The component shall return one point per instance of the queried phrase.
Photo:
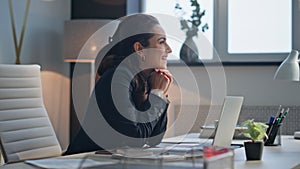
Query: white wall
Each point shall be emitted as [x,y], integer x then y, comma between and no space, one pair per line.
[42,45]
[254,82]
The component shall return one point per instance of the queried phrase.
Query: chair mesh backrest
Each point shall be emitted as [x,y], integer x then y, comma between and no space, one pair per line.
[26,131]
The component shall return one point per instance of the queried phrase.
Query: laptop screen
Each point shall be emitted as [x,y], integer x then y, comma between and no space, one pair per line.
[228,120]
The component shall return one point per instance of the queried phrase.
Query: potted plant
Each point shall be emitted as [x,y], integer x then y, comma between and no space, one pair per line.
[256,131]
[189,51]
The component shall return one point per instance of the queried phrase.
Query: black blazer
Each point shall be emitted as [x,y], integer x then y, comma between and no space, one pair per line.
[113,120]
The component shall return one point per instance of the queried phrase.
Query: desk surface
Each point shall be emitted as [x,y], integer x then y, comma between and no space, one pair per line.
[274,157]
[285,156]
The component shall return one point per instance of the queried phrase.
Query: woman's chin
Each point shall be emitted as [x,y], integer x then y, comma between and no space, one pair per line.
[164,66]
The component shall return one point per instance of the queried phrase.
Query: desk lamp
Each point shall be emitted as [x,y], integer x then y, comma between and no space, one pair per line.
[289,70]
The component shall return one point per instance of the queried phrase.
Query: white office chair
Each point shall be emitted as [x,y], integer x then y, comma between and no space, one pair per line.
[26,131]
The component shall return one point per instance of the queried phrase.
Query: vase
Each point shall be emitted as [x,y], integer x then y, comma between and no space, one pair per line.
[189,51]
[254,150]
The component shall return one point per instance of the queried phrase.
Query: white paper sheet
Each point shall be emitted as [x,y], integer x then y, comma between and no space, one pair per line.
[66,163]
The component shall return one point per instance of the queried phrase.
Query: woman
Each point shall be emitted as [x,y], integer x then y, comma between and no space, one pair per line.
[131,89]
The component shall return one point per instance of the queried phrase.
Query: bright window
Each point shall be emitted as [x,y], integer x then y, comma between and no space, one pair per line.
[259,26]
[168,7]
[240,30]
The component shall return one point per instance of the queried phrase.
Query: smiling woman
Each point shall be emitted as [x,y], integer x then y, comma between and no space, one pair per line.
[129,104]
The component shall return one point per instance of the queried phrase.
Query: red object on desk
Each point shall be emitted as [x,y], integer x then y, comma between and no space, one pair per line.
[210,151]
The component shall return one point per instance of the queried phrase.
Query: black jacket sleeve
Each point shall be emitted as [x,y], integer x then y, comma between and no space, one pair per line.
[112,120]
[147,126]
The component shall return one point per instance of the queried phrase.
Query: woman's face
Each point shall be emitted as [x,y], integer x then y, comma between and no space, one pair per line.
[156,54]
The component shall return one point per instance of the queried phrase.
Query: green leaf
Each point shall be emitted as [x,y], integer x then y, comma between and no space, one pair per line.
[255,130]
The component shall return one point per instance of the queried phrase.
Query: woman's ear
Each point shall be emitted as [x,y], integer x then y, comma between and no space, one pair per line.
[138,47]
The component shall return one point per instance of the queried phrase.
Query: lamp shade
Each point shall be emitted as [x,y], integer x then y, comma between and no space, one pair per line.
[289,68]
[84,38]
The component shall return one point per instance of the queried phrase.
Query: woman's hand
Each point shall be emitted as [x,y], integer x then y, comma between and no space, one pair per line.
[161,79]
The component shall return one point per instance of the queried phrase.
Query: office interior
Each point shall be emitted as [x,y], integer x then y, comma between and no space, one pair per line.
[43,45]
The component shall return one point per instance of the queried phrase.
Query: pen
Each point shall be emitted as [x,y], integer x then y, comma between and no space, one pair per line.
[281,113]
[278,111]
[284,115]
[278,118]
[276,115]
[286,112]
[271,120]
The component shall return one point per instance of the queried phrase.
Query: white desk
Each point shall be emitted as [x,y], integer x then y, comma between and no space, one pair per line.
[278,157]
[274,157]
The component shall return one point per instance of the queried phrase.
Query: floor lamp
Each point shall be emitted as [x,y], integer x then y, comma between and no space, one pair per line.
[289,70]
[18,44]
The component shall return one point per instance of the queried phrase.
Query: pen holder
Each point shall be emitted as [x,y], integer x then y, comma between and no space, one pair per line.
[274,135]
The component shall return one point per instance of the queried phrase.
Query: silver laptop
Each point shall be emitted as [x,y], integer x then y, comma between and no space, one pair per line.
[224,132]
[228,120]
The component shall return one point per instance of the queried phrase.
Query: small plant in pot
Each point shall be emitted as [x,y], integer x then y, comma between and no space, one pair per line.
[256,131]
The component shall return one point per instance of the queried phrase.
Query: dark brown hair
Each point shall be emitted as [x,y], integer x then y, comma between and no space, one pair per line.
[132,28]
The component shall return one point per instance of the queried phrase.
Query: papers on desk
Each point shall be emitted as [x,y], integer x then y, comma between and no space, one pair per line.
[165,152]
[181,148]
[66,163]
[188,138]
[163,157]
[146,154]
